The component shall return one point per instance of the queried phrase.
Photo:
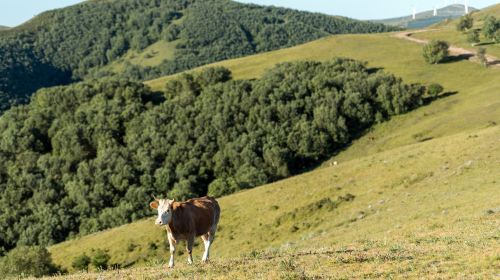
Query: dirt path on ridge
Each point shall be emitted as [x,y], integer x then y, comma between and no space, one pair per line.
[454,50]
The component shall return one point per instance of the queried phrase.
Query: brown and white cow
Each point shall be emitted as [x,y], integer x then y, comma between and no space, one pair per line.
[186,220]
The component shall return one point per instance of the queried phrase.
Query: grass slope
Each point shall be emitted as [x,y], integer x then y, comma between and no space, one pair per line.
[475,106]
[150,56]
[447,31]
[425,187]
[423,210]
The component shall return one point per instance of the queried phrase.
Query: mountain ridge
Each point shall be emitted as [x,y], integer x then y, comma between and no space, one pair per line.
[77,42]
[427,18]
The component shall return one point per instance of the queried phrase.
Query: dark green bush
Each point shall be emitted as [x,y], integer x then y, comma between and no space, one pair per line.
[465,23]
[152,246]
[81,262]
[473,36]
[490,27]
[100,259]
[434,90]
[131,246]
[435,51]
[496,36]
[481,56]
[26,261]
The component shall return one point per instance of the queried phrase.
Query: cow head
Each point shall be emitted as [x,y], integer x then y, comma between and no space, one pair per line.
[164,207]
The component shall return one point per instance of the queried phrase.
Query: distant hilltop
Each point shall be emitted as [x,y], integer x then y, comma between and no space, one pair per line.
[3,27]
[424,19]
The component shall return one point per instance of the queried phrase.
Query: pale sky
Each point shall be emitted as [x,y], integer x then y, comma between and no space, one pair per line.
[369,9]
[15,12]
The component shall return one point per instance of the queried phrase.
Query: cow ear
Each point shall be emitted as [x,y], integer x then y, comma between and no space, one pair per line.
[154,204]
[172,201]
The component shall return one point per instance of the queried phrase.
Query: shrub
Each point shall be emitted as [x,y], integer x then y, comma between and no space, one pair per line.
[434,90]
[481,56]
[496,36]
[81,262]
[27,261]
[152,246]
[466,22]
[131,246]
[473,37]
[435,51]
[490,27]
[100,259]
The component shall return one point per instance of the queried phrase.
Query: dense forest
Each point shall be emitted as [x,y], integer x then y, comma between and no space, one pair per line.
[87,156]
[71,44]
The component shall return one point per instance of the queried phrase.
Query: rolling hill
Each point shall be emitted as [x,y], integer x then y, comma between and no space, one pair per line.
[3,27]
[143,39]
[414,197]
[427,18]
[425,196]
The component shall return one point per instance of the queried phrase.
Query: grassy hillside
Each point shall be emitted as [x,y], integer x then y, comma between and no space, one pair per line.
[427,18]
[475,105]
[424,210]
[447,31]
[3,27]
[425,193]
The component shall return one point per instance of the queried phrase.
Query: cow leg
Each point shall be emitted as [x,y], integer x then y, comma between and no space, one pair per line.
[207,240]
[189,248]
[171,242]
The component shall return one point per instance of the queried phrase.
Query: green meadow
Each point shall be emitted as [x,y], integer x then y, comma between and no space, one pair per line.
[415,197]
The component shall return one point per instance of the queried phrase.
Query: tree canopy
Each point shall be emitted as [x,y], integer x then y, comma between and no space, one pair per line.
[86,157]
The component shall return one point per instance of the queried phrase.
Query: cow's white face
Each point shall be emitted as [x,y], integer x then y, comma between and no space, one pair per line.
[164,207]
